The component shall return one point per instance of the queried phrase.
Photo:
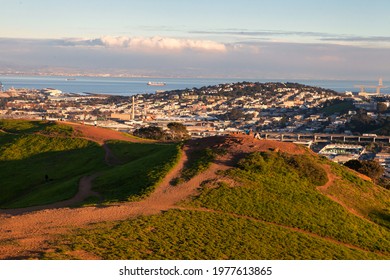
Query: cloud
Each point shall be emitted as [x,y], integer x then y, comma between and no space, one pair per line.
[290,36]
[369,39]
[261,33]
[165,56]
[161,43]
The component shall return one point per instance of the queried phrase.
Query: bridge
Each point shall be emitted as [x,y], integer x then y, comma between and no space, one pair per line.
[322,137]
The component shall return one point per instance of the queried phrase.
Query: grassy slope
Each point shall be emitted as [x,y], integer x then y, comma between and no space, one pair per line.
[30,150]
[275,212]
[200,235]
[277,193]
[142,167]
[26,158]
[364,197]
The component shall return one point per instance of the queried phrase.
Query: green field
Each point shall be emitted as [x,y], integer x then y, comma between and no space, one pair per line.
[141,168]
[273,211]
[276,191]
[40,168]
[43,162]
[194,235]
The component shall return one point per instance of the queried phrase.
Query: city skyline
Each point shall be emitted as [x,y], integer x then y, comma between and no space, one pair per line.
[254,39]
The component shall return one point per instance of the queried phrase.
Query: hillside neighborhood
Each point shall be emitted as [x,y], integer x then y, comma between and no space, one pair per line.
[210,110]
[216,110]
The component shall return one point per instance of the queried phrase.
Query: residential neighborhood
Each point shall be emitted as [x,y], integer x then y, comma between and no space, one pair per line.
[284,107]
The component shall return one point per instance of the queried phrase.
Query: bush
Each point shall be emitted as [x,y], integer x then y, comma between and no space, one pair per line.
[151,132]
[370,168]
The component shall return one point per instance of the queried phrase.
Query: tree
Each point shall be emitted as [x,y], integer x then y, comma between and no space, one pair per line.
[381,107]
[178,131]
[151,132]
[370,168]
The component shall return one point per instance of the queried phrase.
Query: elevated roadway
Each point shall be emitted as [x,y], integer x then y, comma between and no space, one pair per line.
[323,137]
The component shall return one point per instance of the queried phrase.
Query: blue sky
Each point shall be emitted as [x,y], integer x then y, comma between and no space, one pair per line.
[244,38]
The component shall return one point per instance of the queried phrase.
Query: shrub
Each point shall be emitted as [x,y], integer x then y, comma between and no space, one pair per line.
[370,168]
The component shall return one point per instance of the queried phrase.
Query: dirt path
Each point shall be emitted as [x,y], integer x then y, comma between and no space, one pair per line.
[324,190]
[25,232]
[26,235]
[84,191]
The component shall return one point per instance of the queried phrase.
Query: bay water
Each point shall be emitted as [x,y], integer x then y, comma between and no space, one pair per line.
[131,86]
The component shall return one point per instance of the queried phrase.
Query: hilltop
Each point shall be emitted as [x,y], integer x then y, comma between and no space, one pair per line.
[223,197]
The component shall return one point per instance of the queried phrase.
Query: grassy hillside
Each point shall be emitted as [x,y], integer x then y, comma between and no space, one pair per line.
[363,197]
[268,206]
[43,162]
[141,168]
[40,164]
[274,190]
[200,235]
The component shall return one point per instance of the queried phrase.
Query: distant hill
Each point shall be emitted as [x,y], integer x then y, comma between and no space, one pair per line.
[227,197]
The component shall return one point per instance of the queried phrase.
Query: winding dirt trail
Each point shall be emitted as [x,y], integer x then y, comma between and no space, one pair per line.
[25,232]
[84,191]
[26,235]
[324,190]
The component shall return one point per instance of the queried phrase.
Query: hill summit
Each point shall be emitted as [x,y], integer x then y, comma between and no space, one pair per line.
[225,197]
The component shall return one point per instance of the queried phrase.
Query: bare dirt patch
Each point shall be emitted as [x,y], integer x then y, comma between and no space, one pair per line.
[100,134]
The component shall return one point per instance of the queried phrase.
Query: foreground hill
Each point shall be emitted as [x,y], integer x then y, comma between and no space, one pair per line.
[50,165]
[230,197]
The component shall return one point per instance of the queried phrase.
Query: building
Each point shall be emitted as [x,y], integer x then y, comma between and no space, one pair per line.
[342,153]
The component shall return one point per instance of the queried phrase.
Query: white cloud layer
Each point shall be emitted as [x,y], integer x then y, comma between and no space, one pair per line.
[161,43]
[165,56]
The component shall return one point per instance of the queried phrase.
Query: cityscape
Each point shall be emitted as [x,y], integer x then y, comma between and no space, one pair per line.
[195,139]
[271,110]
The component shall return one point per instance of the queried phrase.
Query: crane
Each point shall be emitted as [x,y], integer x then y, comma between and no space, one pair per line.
[378,87]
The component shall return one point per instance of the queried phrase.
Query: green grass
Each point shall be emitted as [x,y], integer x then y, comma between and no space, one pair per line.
[143,167]
[368,199]
[23,126]
[275,194]
[25,162]
[126,151]
[196,235]
[26,146]
[198,162]
[341,107]
[275,191]
[30,150]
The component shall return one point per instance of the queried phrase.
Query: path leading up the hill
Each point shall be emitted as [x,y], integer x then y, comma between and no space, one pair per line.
[324,190]
[28,235]
[22,236]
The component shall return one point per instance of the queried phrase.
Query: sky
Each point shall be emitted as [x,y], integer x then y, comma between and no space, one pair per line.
[297,39]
